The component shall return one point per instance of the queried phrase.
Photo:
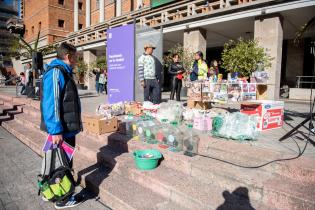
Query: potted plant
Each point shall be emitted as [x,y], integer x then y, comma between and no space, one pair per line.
[244,57]
[81,70]
[100,62]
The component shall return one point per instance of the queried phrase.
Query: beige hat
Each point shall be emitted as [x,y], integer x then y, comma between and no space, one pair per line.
[147,45]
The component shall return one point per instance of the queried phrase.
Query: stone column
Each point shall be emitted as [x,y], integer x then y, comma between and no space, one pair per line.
[88,13]
[76,16]
[102,11]
[196,40]
[269,33]
[89,57]
[118,8]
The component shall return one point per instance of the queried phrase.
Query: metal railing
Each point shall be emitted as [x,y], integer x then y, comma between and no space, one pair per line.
[299,80]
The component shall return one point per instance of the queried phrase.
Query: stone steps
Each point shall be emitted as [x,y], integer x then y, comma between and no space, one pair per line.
[211,173]
[33,139]
[112,189]
[205,170]
[119,192]
[267,189]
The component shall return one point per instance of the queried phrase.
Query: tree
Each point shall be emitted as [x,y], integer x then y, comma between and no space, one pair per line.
[81,70]
[20,48]
[186,56]
[101,62]
[244,56]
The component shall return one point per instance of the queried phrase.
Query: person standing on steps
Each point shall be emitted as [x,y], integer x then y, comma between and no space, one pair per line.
[97,73]
[29,74]
[176,70]
[60,105]
[149,75]
[102,81]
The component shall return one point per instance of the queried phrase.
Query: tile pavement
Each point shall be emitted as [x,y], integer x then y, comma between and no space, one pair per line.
[19,168]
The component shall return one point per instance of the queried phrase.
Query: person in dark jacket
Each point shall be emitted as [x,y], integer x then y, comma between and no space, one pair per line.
[97,74]
[60,105]
[176,70]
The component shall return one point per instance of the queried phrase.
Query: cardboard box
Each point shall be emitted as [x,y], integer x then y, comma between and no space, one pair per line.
[262,92]
[96,124]
[198,105]
[270,113]
[194,91]
[133,108]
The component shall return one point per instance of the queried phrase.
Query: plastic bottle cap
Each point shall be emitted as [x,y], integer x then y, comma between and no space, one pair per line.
[174,123]
[190,126]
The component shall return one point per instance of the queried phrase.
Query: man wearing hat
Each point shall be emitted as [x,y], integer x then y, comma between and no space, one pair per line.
[149,75]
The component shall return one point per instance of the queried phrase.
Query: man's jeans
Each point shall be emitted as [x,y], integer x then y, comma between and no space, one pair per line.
[152,91]
[97,87]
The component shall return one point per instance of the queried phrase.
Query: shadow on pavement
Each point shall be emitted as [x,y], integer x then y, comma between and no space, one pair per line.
[97,173]
[237,200]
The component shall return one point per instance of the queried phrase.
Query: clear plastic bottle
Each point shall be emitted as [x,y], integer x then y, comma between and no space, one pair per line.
[128,121]
[150,131]
[162,132]
[174,139]
[191,142]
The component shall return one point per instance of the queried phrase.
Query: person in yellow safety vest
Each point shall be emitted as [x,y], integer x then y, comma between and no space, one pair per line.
[200,67]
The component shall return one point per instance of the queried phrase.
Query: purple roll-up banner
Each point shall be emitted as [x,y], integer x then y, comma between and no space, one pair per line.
[120,62]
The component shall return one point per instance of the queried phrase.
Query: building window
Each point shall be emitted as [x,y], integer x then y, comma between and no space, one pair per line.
[61,2]
[80,26]
[61,23]
[80,5]
[32,29]
[97,4]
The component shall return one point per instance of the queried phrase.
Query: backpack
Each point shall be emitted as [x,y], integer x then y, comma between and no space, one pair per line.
[55,184]
[193,75]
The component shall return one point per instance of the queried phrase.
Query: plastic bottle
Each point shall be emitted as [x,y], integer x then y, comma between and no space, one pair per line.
[128,121]
[162,133]
[174,139]
[190,143]
[150,132]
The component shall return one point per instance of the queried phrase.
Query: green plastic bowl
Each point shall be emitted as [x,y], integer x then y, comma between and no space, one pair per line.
[147,163]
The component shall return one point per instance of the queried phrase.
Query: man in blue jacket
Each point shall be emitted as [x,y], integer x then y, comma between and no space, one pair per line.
[60,104]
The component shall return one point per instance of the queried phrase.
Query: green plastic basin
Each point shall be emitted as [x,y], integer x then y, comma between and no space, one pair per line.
[147,159]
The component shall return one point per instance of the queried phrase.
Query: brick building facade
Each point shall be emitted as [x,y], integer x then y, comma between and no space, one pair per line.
[55,18]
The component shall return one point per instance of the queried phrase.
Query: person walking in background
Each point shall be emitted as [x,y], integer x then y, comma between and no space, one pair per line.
[176,71]
[97,73]
[149,75]
[199,68]
[61,107]
[29,74]
[23,83]
[102,81]
[106,78]
[214,68]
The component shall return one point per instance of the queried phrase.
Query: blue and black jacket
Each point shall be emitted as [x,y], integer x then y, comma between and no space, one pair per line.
[52,102]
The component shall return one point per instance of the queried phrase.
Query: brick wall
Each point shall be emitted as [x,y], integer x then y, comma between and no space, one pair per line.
[126,6]
[48,12]
[110,9]
[34,15]
[95,18]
